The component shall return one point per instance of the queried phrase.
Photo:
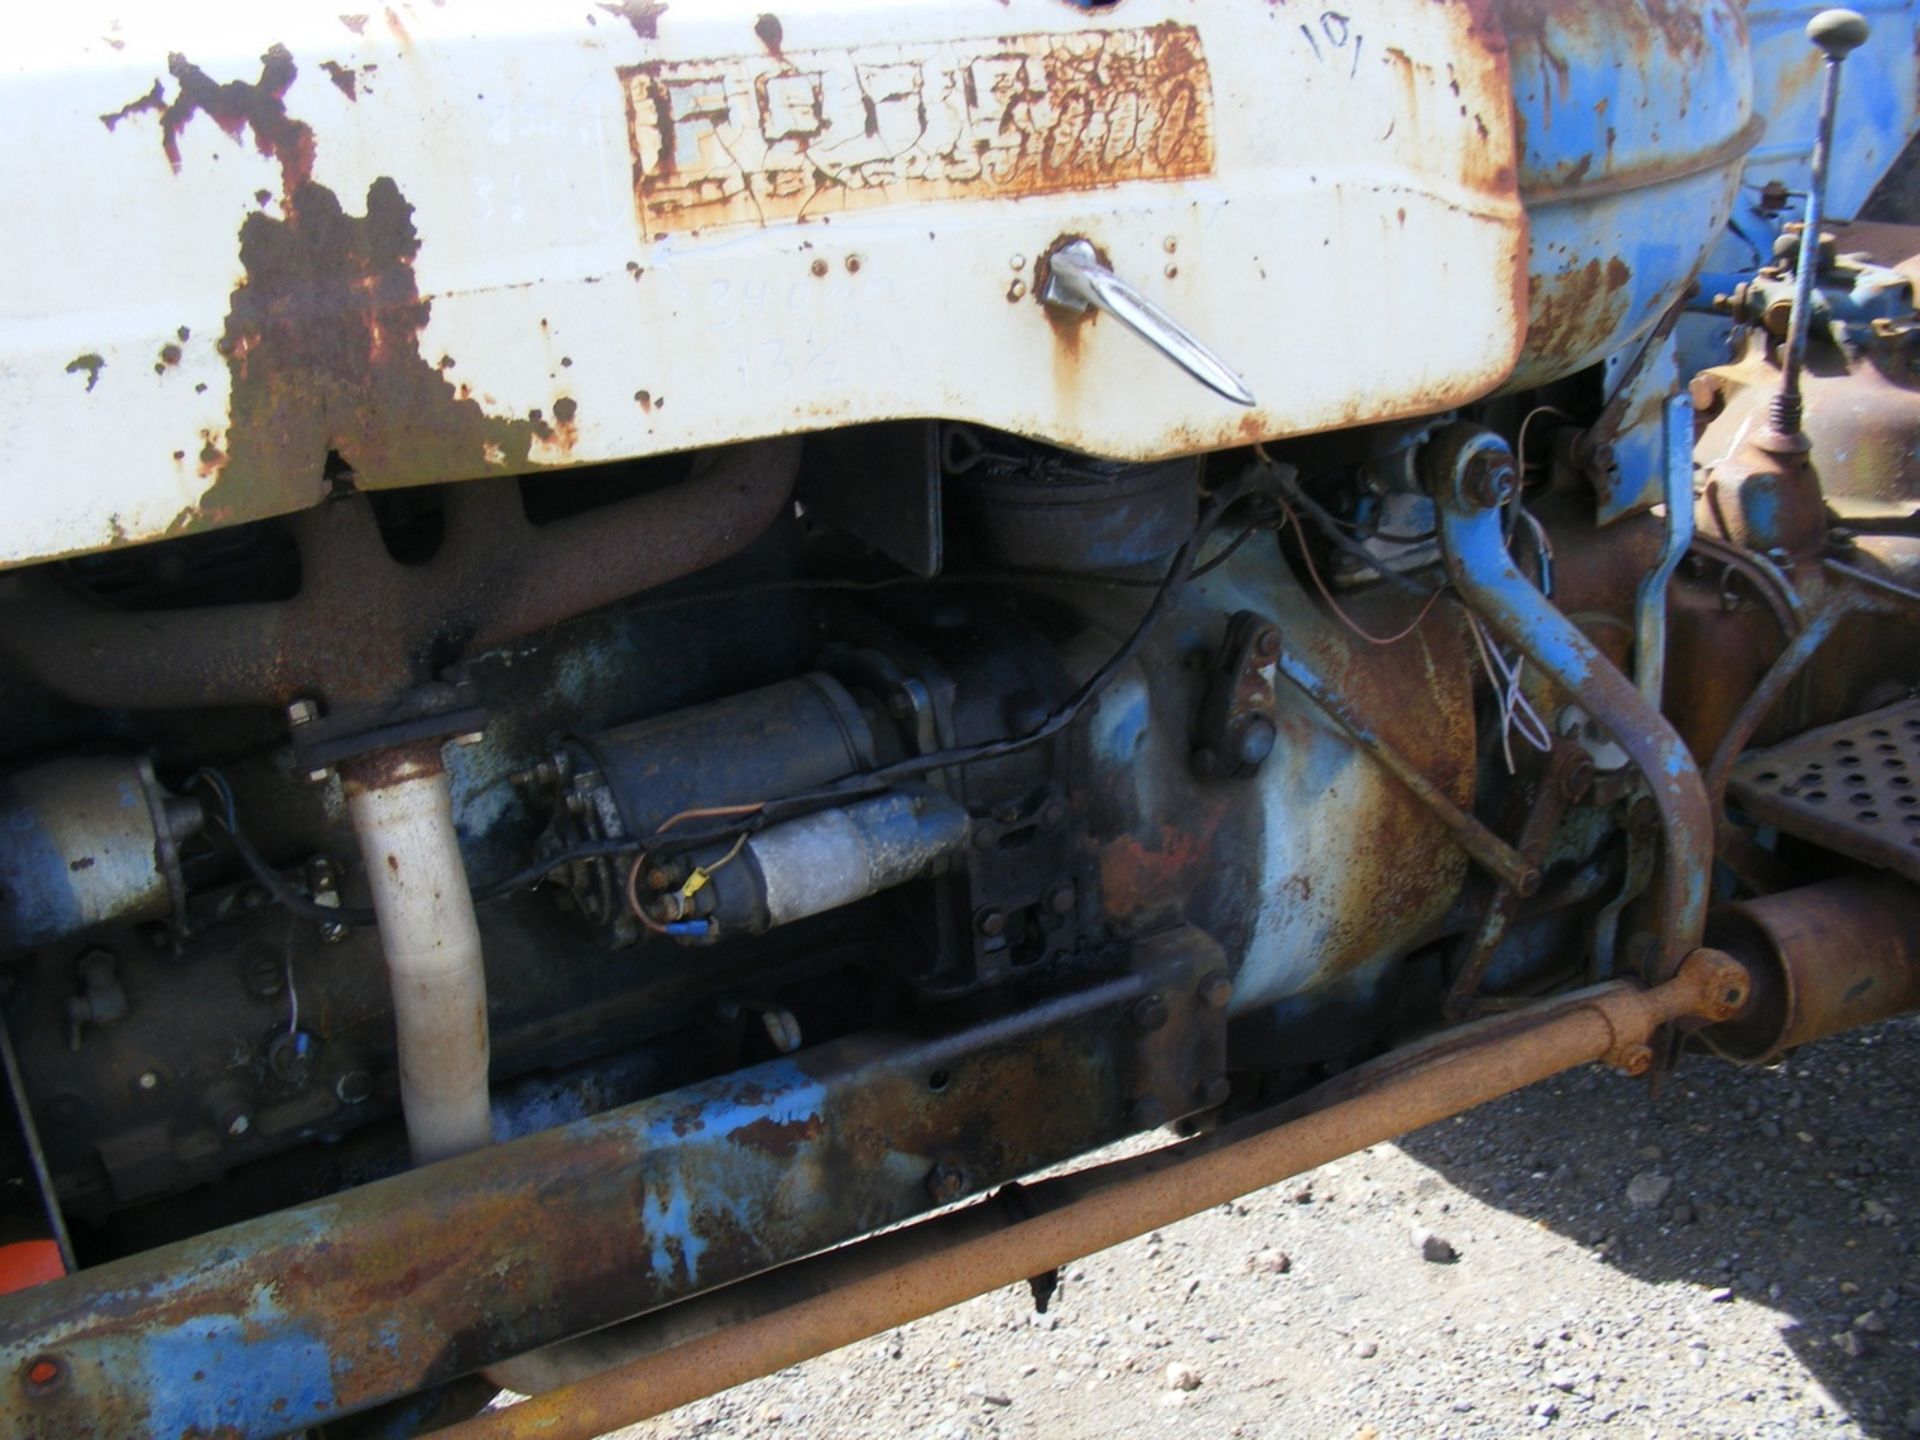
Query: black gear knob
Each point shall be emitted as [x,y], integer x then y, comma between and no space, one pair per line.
[1838,32]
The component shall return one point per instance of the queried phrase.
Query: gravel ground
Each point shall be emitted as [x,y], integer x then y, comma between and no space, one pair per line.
[1730,1260]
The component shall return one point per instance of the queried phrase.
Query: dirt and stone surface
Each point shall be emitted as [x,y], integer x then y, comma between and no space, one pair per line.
[1735,1258]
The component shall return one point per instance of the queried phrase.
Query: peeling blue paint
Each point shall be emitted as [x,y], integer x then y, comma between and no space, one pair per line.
[219,1372]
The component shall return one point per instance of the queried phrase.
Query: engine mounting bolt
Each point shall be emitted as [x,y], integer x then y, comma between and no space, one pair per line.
[1254,740]
[946,1182]
[44,1374]
[1215,991]
[1213,1091]
[1147,1113]
[1149,1014]
[990,923]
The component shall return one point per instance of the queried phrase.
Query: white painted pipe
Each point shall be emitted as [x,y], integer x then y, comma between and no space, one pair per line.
[402,812]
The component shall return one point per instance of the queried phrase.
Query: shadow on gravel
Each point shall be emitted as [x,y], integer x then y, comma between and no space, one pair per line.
[1795,1187]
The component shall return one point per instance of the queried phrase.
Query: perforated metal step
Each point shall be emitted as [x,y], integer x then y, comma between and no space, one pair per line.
[1853,787]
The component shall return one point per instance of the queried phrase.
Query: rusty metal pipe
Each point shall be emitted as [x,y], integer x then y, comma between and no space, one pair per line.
[1467,468]
[406,1283]
[1097,1209]
[362,624]
[1824,958]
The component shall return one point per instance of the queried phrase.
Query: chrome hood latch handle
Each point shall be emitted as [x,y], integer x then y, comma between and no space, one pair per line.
[1077,281]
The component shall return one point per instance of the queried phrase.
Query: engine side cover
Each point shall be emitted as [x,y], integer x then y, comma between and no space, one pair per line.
[480,237]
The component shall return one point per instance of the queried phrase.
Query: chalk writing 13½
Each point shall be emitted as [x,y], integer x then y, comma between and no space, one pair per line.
[1333,34]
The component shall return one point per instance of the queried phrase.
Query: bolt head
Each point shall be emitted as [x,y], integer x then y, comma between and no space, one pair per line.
[44,1374]
[946,1182]
[1254,741]
[991,923]
[1060,900]
[1149,1013]
[471,737]
[149,1080]
[1488,478]
[303,712]
[1215,991]
[237,1124]
[320,776]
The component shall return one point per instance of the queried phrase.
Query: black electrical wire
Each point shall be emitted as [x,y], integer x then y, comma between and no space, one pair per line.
[307,908]
[1178,574]
[1330,527]
[1062,715]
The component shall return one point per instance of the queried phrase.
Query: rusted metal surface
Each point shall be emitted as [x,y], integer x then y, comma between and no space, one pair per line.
[1322,862]
[1855,407]
[415,245]
[370,1294]
[1078,1214]
[1513,869]
[1634,118]
[1564,776]
[364,625]
[883,125]
[1476,557]
[1852,786]
[1824,958]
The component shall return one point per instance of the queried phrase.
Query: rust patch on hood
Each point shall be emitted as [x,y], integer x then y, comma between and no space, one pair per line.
[237,107]
[322,337]
[1577,312]
[154,100]
[345,79]
[642,15]
[90,365]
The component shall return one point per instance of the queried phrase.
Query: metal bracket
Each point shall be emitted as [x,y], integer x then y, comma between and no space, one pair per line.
[1235,731]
